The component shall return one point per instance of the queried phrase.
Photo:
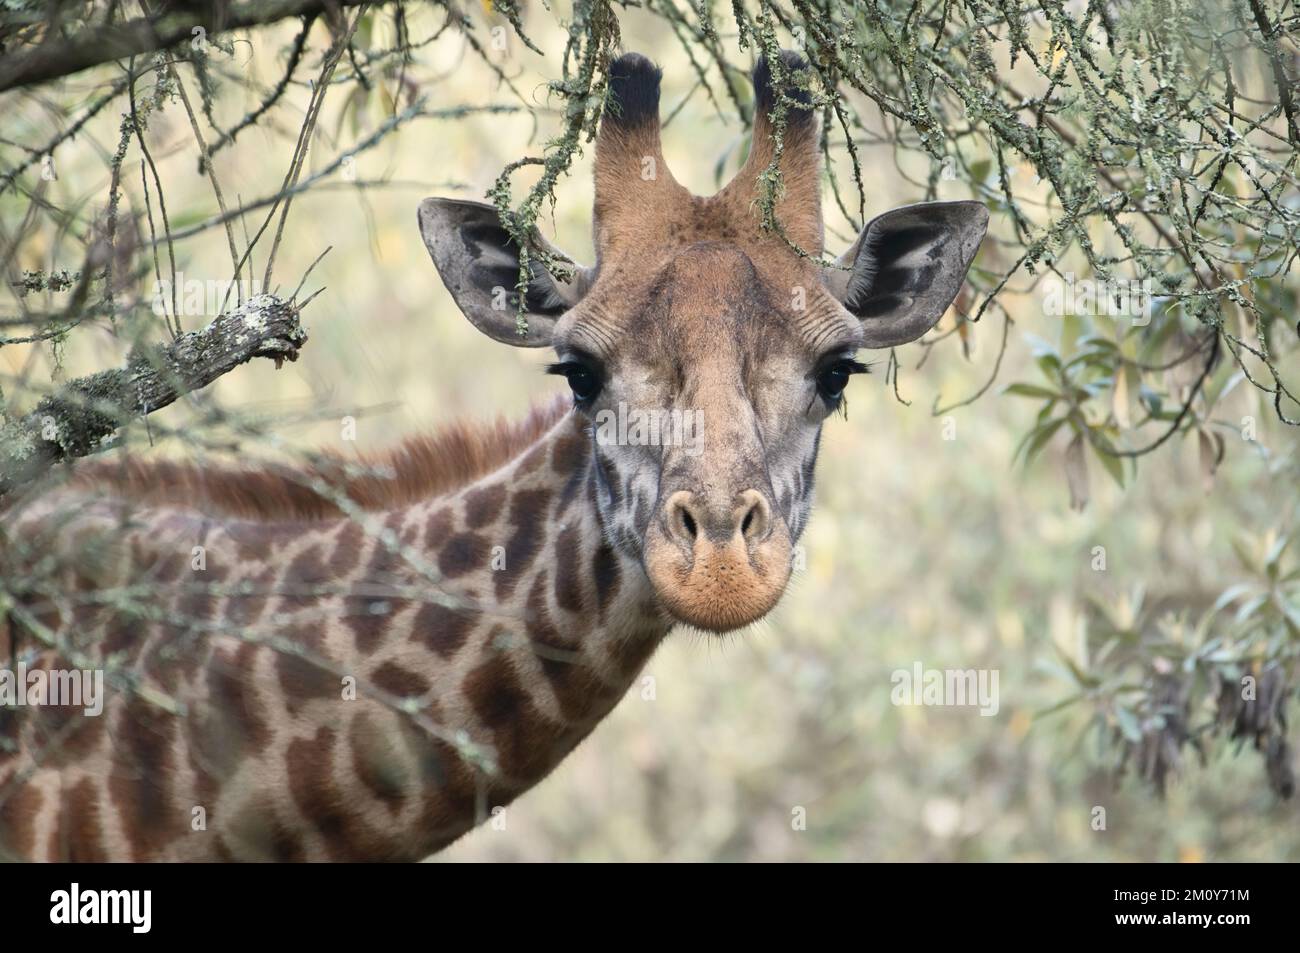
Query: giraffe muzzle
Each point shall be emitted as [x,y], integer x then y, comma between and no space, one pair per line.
[718,565]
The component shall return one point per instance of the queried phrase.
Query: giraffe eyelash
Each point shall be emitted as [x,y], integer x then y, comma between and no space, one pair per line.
[831,377]
[585,381]
[856,367]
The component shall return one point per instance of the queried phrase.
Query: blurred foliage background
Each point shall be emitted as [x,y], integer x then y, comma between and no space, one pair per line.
[935,540]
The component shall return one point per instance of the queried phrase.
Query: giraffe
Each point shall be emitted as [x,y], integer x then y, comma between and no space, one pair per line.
[346,662]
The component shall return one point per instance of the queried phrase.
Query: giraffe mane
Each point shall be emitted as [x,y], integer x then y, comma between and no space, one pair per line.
[420,467]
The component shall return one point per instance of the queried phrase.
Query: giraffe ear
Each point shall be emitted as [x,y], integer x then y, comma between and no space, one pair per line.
[907,267]
[479,264]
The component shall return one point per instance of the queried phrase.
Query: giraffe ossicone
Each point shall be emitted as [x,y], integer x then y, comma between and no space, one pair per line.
[372,659]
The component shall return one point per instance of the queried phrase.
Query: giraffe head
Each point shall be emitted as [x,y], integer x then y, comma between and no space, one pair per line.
[707,352]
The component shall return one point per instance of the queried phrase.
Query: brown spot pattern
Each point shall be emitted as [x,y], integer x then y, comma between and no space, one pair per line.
[442,628]
[80,830]
[140,785]
[483,506]
[346,835]
[462,554]
[402,682]
[568,571]
[577,690]
[527,512]
[519,731]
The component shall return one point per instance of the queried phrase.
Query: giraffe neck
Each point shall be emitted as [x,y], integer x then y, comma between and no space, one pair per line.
[547,625]
[363,689]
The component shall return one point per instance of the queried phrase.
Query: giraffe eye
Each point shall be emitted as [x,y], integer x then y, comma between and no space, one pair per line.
[833,378]
[583,381]
[833,381]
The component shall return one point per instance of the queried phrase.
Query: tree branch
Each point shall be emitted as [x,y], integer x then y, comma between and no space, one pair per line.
[103,43]
[75,421]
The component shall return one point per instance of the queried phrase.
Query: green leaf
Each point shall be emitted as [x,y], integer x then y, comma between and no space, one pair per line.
[1251,606]
[1245,556]
[1062,704]
[1083,678]
[1114,465]
[1036,439]
[1229,596]
[1031,390]
[1274,555]
[1128,724]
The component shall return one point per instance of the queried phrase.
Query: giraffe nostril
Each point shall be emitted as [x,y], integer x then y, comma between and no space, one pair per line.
[682,523]
[754,524]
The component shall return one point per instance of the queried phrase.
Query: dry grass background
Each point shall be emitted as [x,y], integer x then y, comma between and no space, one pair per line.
[922,549]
